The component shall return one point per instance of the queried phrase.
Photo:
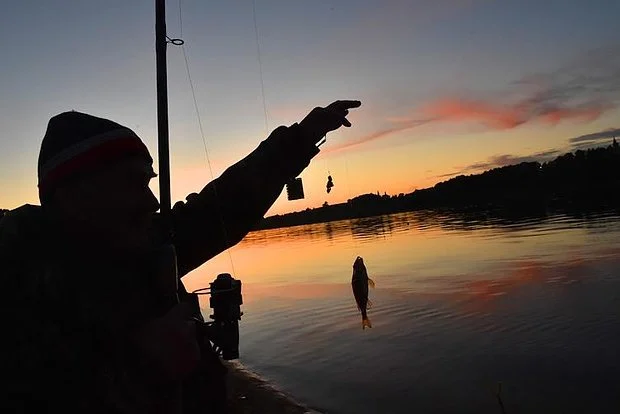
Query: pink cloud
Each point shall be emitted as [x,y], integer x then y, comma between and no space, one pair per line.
[584,114]
[507,116]
[493,115]
[581,91]
[467,110]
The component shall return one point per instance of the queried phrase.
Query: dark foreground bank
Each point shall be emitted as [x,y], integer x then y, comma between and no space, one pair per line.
[250,394]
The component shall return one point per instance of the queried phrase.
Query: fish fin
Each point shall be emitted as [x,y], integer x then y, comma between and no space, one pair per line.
[366,323]
[371,283]
[368,304]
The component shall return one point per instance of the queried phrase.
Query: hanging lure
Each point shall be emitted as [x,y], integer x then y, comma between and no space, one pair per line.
[330,184]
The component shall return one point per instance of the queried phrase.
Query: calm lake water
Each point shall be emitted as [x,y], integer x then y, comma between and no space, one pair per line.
[460,304]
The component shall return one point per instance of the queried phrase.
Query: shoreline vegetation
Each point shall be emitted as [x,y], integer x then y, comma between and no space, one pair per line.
[581,181]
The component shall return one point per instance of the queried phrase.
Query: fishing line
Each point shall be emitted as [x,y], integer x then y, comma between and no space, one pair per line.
[263,98]
[202,134]
[262,84]
[260,66]
[351,203]
[346,169]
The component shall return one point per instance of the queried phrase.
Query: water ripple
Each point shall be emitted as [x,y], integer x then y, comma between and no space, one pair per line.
[461,303]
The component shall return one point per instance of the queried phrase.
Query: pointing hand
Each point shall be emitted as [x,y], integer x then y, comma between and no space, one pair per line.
[320,120]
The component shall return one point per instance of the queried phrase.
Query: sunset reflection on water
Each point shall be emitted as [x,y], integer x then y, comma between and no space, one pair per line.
[460,304]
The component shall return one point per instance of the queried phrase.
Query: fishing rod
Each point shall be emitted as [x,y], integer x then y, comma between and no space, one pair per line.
[168,268]
[168,257]
[163,138]
[225,291]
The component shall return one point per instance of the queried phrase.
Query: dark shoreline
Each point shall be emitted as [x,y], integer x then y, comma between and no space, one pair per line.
[478,213]
[248,393]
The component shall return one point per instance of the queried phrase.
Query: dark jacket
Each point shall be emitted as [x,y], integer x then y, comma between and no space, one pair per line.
[69,312]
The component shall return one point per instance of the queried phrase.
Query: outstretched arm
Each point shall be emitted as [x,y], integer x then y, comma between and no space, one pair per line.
[230,206]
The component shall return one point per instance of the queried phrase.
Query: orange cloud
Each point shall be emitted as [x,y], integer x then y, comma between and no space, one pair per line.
[463,110]
[586,114]
[494,115]
[581,91]
[506,116]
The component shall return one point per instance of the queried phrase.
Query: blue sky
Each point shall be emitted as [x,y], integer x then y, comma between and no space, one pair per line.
[442,83]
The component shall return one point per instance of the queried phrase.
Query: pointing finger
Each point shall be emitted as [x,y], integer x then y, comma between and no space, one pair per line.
[350,104]
[346,104]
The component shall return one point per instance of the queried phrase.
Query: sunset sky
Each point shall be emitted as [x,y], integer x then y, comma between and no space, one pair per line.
[447,86]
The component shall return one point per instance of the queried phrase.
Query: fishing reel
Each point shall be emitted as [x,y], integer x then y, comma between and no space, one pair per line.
[223,330]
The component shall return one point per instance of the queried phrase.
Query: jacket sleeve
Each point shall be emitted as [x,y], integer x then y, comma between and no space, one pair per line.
[230,206]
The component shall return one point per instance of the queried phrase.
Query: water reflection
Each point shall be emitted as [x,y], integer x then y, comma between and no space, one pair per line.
[461,302]
[380,227]
[369,228]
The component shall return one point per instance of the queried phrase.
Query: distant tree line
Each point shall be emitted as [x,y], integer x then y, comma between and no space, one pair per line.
[580,180]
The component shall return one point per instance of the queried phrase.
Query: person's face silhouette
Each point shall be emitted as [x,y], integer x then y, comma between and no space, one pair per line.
[113,206]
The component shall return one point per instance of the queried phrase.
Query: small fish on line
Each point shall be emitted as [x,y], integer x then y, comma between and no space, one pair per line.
[330,184]
[360,282]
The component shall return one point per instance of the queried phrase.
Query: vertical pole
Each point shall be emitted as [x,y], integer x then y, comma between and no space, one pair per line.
[169,266]
[162,117]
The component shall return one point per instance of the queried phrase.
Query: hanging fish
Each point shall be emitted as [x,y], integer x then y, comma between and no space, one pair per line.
[330,183]
[360,282]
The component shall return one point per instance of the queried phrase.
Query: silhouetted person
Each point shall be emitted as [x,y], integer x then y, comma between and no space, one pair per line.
[330,183]
[87,325]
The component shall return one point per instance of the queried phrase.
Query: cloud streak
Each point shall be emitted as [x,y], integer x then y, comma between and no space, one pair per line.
[382,133]
[596,139]
[580,91]
[496,161]
[503,160]
[596,136]
[507,116]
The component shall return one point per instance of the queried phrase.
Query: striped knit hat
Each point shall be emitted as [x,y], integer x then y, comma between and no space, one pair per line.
[77,143]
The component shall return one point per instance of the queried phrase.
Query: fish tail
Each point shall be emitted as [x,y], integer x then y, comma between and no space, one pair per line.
[366,323]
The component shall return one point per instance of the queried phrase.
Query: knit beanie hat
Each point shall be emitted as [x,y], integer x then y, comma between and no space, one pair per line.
[77,143]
